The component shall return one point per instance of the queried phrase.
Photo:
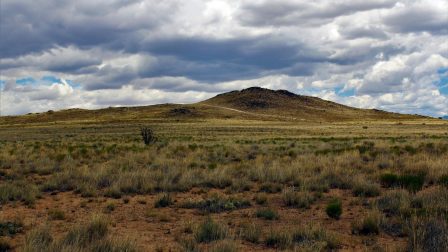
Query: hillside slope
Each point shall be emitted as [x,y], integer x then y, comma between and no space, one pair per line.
[282,103]
[248,104]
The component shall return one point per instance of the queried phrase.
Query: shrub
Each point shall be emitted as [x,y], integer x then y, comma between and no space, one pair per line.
[147,135]
[389,180]
[163,201]
[428,234]
[250,233]
[278,239]
[412,183]
[261,199]
[394,202]
[217,204]
[38,240]
[443,180]
[292,198]
[224,246]
[113,192]
[10,228]
[334,209]
[315,234]
[56,214]
[18,191]
[270,188]
[209,231]
[366,189]
[90,237]
[267,214]
[110,207]
[81,236]
[370,224]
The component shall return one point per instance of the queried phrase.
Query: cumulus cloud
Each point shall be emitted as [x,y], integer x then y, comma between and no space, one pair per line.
[378,53]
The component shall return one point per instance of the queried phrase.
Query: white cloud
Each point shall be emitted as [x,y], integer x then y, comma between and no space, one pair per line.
[145,52]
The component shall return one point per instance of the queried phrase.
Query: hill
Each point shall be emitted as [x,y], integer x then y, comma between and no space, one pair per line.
[248,104]
[287,105]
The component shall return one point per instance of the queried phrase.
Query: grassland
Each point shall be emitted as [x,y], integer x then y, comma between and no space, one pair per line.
[224,185]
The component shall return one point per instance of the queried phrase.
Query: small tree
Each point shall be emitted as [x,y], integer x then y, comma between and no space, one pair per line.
[148,135]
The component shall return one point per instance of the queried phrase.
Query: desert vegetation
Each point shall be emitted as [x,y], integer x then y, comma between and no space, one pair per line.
[224,186]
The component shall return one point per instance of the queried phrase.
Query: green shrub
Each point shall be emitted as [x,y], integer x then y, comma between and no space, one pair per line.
[443,180]
[389,180]
[334,209]
[163,201]
[209,231]
[412,183]
[267,214]
[10,228]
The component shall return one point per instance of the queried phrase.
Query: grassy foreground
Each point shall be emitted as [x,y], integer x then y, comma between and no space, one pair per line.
[225,185]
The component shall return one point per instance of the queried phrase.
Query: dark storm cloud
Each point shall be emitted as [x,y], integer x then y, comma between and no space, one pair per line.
[33,26]
[418,18]
[228,59]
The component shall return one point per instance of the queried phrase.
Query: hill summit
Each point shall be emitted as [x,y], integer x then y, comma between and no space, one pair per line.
[283,103]
[256,98]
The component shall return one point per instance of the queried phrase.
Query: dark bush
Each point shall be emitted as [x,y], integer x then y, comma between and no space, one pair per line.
[270,188]
[334,209]
[10,228]
[412,183]
[163,201]
[443,180]
[148,135]
[389,180]
[428,235]
[278,239]
[267,214]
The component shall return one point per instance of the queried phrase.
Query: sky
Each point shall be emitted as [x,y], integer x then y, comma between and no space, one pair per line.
[59,54]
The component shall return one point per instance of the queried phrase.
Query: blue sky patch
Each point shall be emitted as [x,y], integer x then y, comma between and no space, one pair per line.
[442,70]
[51,79]
[344,93]
[26,81]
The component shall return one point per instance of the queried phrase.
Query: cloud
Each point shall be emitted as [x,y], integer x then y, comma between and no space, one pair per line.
[292,13]
[376,53]
[419,16]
